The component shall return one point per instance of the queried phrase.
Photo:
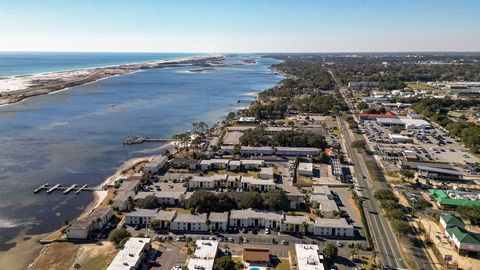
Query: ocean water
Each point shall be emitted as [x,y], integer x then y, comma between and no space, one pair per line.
[74,136]
[21,63]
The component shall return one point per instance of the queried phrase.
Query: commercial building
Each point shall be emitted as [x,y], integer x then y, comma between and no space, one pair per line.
[309,257]
[255,218]
[145,216]
[464,241]
[450,199]
[305,168]
[129,257]
[155,164]
[363,85]
[397,138]
[204,256]
[333,227]
[262,185]
[190,222]
[81,228]
[439,173]
[449,221]
[375,116]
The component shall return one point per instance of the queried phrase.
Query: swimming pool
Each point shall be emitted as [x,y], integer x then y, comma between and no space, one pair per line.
[254,268]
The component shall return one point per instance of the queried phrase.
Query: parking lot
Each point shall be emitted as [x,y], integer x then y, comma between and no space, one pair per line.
[431,145]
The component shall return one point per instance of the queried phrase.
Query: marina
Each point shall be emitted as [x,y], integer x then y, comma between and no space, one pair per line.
[49,189]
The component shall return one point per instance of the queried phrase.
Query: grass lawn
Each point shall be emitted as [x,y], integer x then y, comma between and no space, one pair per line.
[283,264]
[304,181]
[419,86]
[55,235]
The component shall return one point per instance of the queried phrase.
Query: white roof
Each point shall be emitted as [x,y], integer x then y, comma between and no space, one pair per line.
[160,194]
[332,223]
[211,178]
[253,161]
[296,219]
[128,257]
[251,213]
[305,166]
[398,136]
[415,122]
[308,257]
[159,215]
[214,161]
[199,218]
[321,190]
[327,205]
[267,170]
[255,181]
[234,163]
[204,255]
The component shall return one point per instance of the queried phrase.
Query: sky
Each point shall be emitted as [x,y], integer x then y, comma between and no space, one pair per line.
[240,25]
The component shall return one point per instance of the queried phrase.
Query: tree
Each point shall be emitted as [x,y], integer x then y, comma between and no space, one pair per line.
[471,213]
[397,129]
[362,106]
[359,144]
[401,227]
[421,204]
[118,235]
[77,266]
[250,199]
[276,200]
[149,202]
[385,194]
[407,173]
[225,263]
[330,252]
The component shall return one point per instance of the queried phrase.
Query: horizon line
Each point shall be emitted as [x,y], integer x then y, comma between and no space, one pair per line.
[250,52]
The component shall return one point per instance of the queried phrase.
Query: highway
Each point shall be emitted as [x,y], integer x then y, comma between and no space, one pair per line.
[385,242]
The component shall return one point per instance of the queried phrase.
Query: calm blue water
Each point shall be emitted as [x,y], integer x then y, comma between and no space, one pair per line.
[73,136]
[21,63]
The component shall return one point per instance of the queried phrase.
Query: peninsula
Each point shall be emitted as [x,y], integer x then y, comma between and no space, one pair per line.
[16,88]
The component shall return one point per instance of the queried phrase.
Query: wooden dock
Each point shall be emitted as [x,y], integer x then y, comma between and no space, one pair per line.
[66,189]
[136,139]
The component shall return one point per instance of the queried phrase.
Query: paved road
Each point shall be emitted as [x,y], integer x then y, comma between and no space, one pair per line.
[381,232]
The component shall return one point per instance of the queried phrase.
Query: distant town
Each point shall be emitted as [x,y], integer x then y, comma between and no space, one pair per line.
[353,161]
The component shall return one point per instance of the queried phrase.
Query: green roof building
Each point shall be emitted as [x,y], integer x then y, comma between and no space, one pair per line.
[449,221]
[464,241]
[444,201]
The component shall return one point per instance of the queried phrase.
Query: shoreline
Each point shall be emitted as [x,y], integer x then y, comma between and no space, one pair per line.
[99,196]
[14,89]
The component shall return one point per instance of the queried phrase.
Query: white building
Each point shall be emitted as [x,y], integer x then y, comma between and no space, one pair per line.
[163,197]
[234,165]
[81,228]
[397,138]
[129,257]
[126,190]
[255,218]
[218,221]
[266,173]
[189,222]
[309,257]
[248,182]
[214,164]
[327,208]
[305,168]
[207,182]
[145,216]
[333,227]
[322,190]
[252,164]
[415,123]
[297,151]
[204,256]
[294,224]
[249,150]
[155,164]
